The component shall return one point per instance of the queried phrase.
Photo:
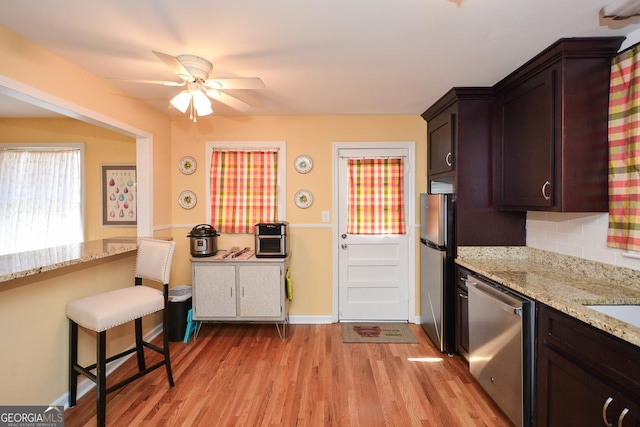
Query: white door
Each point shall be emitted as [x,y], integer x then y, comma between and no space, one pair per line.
[373,277]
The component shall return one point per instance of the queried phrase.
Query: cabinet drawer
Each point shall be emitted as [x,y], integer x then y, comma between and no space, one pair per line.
[603,354]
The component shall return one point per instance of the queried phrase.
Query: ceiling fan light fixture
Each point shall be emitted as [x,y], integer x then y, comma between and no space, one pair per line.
[204,110]
[181,101]
[201,103]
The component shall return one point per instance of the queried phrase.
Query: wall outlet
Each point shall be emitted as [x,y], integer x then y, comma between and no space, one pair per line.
[325,216]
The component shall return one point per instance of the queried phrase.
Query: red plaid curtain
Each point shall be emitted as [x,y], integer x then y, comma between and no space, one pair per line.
[243,189]
[376,196]
[624,151]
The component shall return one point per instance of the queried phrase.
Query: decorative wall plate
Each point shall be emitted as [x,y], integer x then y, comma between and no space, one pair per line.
[187,199]
[187,165]
[303,163]
[303,199]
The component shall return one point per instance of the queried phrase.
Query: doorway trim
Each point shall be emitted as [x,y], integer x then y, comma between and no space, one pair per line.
[410,212]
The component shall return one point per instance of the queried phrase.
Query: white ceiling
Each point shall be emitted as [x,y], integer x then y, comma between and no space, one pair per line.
[314,56]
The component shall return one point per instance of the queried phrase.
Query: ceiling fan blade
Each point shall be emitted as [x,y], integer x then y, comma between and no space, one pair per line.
[229,100]
[153,82]
[176,66]
[240,83]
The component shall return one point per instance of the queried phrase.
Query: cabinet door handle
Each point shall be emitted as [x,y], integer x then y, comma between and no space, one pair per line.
[463,296]
[604,410]
[448,159]
[546,185]
[624,412]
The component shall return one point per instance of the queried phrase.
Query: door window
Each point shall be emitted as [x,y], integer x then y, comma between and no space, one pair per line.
[376,196]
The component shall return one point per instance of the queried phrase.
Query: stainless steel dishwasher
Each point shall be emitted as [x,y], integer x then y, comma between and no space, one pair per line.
[501,347]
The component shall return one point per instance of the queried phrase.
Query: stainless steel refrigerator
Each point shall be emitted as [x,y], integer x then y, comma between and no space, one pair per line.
[437,251]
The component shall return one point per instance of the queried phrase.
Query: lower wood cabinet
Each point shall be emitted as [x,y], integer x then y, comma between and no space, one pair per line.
[585,377]
[462,313]
[243,290]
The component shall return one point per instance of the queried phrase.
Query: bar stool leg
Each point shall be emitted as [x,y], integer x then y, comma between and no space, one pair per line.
[73,362]
[142,365]
[165,334]
[101,377]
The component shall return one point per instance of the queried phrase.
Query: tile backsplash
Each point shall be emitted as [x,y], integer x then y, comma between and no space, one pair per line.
[582,235]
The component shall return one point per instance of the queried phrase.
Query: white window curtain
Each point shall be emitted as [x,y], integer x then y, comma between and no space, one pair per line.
[40,198]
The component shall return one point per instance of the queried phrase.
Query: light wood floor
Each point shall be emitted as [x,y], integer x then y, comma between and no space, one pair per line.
[244,375]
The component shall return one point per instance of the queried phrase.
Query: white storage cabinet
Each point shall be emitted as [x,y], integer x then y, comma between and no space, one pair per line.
[252,290]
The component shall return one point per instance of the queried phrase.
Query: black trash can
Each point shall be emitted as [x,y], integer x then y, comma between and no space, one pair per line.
[179,306]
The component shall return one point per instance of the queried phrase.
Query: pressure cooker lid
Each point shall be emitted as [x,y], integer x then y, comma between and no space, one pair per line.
[203,230]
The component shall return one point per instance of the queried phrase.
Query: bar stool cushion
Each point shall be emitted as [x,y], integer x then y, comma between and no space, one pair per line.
[107,310]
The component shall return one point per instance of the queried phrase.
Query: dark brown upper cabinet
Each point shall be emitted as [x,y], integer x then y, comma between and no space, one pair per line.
[551,136]
[440,145]
[461,123]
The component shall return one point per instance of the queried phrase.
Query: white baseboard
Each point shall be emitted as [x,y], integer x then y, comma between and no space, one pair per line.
[320,320]
[309,320]
[86,384]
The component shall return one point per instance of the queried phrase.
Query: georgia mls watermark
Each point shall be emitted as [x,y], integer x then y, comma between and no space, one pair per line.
[31,416]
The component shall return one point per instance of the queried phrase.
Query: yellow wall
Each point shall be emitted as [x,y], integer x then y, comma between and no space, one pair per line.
[35,330]
[34,336]
[35,357]
[311,263]
[100,146]
[41,70]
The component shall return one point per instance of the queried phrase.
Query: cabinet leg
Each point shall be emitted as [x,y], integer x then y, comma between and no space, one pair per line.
[282,333]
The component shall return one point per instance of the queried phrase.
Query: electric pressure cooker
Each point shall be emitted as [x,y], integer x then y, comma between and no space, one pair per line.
[203,240]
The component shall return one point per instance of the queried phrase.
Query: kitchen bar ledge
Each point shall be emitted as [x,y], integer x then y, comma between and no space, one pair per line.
[23,264]
[563,282]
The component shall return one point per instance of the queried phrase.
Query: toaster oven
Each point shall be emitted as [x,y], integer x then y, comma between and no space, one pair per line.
[271,240]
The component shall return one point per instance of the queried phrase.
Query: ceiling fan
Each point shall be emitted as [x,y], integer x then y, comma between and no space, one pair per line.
[194,73]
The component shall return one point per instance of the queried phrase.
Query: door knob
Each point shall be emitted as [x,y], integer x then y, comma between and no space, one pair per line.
[343,246]
[344,236]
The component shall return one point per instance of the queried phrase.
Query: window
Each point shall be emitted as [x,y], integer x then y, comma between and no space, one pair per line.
[376,196]
[245,184]
[41,201]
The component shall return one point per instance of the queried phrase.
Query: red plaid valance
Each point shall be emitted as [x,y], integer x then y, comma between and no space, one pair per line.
[376,196]
[624,151]
[243,189]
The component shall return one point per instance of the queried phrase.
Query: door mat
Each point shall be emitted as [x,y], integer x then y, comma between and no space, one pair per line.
[369,332]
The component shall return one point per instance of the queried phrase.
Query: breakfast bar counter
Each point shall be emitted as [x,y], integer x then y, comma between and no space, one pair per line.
[23,264]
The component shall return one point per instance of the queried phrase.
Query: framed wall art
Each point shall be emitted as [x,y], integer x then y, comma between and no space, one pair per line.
[119,197]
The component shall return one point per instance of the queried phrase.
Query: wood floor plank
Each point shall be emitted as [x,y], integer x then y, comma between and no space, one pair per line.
[244,375]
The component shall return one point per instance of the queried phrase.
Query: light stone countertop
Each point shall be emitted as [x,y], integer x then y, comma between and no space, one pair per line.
[563,282]
[23,264]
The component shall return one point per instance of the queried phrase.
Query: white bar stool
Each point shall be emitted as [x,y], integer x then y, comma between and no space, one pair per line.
[104,311]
